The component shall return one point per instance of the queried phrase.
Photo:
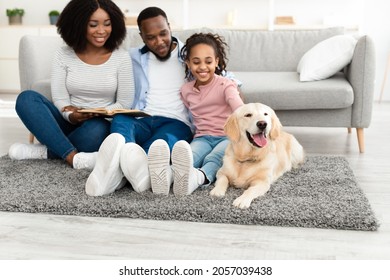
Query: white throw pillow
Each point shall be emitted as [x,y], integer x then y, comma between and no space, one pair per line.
[326,58]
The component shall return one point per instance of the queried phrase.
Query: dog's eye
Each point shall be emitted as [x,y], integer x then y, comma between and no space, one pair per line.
[248,115]
[265,114]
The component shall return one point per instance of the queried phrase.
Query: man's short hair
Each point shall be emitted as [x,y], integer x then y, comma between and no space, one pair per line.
[150,12]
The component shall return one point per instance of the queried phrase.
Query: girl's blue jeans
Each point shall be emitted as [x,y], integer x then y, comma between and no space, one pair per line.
[144,131]
[208,152]
[45,121]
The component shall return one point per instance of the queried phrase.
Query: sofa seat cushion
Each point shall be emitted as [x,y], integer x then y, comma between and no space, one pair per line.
[284,91]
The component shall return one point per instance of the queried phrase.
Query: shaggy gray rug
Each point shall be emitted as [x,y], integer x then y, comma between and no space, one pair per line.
[323,193]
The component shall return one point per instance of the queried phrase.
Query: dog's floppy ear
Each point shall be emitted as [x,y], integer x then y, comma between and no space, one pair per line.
[231,128]
[276,126]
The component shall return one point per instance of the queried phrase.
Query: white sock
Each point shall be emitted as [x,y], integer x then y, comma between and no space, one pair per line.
[84,160]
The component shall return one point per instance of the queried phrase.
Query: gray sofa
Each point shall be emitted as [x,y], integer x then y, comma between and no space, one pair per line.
[266,63]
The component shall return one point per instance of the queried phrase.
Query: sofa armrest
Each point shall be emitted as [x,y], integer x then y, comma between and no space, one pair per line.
[35,57]
[361,74]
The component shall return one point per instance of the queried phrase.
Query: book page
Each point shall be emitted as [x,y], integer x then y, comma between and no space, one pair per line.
[109,113]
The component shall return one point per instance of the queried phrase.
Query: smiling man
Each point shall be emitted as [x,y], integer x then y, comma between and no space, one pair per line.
[158,76]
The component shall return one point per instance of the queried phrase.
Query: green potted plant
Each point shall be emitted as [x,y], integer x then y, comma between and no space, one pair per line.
[15,16]
[53,16]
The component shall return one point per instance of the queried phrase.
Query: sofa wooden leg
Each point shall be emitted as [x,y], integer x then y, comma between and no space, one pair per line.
[360,136]
[31,138]
[349,130]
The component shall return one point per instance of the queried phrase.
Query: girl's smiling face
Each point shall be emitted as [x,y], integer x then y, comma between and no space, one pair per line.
[202,62]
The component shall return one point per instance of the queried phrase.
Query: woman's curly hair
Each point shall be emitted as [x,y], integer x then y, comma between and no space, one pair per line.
[213,40]
[73,23]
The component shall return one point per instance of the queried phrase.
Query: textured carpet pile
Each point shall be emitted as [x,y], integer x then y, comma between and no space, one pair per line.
[323,193]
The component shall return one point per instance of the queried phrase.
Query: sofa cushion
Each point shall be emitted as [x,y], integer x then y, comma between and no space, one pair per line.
[279,50]
[283,91]
[35,57]
[43,87]
[326,58]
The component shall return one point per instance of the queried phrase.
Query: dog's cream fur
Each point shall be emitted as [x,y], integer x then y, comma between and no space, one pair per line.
[246,164]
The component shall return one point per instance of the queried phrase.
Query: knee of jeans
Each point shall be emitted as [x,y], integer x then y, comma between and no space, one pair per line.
[119,118]
[25,100]
[121,122]
[25,97]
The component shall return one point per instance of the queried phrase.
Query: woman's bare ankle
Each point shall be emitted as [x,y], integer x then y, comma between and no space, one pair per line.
[69,158]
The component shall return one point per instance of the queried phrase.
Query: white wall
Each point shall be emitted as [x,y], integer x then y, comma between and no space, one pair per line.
[377,25]
[371,16]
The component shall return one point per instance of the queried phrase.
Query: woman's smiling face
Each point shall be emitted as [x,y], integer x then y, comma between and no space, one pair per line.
[99,28]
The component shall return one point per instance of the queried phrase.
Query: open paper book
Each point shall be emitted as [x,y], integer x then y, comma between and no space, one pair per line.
[109,113]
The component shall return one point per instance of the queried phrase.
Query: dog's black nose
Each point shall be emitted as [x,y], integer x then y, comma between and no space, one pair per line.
[261,124]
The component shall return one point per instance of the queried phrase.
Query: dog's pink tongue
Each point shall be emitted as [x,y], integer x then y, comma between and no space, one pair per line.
[260,139]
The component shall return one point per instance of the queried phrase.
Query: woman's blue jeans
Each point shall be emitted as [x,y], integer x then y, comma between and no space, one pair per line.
[208,152]
[43,119]
[144,131]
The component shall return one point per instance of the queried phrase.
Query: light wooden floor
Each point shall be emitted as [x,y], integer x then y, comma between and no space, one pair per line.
[40,236]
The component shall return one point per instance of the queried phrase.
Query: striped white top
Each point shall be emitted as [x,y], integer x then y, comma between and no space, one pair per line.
[74,82]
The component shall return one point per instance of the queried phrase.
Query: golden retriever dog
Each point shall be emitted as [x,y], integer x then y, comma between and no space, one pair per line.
[259,153]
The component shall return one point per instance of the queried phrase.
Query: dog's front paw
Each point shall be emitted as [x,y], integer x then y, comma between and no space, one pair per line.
[242,202]
[217,192]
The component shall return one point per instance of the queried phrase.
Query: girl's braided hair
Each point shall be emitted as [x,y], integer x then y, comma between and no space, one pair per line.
[213,40]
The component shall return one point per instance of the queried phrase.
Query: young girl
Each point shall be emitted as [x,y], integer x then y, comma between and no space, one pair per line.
[210,98]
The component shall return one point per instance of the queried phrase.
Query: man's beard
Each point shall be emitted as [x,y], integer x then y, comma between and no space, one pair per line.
[165,58]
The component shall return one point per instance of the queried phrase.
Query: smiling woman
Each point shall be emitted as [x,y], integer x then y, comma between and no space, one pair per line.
[86,11]
[90,71]
[98,31]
